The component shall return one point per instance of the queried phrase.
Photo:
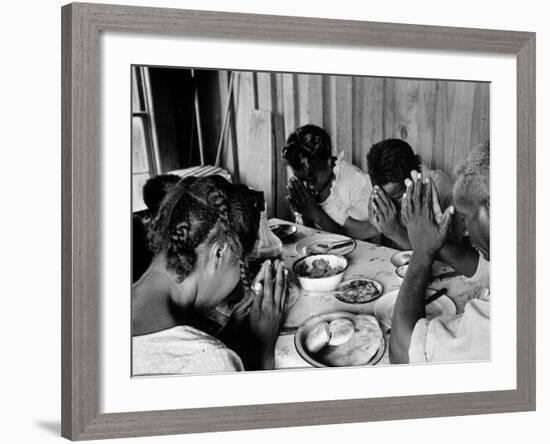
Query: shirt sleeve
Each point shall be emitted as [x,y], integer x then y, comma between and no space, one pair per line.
[482,276]
[181,350]
[349,194]
[417,347]
[359,190]
[453,338]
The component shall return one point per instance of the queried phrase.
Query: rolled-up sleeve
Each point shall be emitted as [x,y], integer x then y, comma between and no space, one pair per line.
[454,338]
[417,348]
[359,201]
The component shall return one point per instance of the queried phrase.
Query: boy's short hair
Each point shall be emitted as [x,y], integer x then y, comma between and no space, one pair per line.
[391,161]
[473,176]
[156,188]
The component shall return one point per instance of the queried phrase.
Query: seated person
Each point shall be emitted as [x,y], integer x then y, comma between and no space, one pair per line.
[154,191]
[390,162]
[328,192]
[200,240]
[447,338]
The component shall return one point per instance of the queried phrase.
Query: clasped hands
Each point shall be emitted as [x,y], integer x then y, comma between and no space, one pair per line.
[264,306]
[427,226]
[300,199]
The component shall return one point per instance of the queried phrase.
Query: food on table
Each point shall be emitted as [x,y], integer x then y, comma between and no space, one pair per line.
[358,291]
[318,337]
[359,349]
[320,268]
[341,331]
[345,342]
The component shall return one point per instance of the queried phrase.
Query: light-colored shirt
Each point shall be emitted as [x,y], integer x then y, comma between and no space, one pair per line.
[349,193]
[482,276]
[456,338]
[181,349]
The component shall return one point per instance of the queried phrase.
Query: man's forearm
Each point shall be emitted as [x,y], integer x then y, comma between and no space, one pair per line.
[409,306]
[359,229]
[400,237]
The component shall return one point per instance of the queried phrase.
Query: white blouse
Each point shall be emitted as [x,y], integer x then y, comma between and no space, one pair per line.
[463,337]
[349,193]
[181,349]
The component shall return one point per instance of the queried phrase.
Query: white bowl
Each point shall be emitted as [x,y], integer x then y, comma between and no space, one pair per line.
[322,283]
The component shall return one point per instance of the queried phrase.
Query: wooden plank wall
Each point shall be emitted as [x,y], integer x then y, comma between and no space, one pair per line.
[441,120]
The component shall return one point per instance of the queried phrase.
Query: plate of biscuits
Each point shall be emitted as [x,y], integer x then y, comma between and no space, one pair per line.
[340,339]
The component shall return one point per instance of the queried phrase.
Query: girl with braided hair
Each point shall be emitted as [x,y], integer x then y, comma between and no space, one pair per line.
[328,192]
[200,238]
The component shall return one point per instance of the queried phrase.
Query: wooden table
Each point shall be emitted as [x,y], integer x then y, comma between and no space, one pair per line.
[369,260]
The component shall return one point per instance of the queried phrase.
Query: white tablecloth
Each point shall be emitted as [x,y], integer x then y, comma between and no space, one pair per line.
[367,260]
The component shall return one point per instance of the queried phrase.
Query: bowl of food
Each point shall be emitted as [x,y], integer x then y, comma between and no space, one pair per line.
[340,339]
[320,272]
[358,290]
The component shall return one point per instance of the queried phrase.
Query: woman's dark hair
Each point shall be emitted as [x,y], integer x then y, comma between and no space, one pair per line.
[308,145]
[205,209]
[156,188]
[391,161]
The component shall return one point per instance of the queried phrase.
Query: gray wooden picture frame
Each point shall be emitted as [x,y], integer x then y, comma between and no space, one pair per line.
[81,175]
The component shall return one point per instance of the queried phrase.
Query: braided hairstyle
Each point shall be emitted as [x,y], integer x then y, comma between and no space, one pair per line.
[156,188]
[199,210]
[245,209]
[308,148]
[391,161]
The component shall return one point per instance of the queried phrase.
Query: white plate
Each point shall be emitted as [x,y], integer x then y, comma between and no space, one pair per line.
[401,258]
[302,246]
[310,323]
[383,307]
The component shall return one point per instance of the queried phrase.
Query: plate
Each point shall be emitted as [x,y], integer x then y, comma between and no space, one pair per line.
[342,295]
[304,247]
[309,324]
[283,231]
[383,307]
[401,258]
[438,269]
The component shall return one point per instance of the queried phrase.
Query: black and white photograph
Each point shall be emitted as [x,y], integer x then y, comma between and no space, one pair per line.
[288,221]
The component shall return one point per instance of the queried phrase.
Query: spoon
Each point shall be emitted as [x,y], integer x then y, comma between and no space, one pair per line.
[435,296]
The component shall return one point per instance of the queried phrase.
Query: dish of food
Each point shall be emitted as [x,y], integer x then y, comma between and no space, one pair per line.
[318,243]
[319,268]
[383,307]
[341,339]
[358,291]
[320,272]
